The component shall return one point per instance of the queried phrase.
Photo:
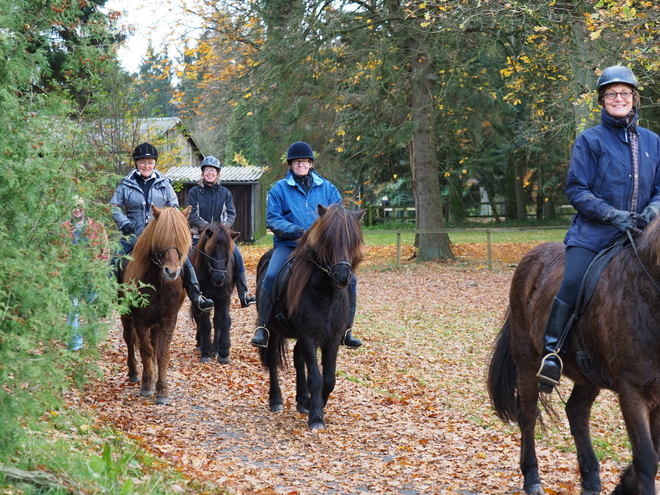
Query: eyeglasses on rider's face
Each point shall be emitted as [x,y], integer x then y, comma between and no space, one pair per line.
[302,161]
[611,95]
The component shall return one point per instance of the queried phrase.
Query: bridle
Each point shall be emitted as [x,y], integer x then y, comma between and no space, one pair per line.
[329,269]
[210,260]
[632,242]
[157,258]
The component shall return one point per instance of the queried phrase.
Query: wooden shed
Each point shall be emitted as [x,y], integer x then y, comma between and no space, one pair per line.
[244,184]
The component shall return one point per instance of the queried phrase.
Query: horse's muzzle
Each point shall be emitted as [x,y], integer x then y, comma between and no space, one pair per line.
[169,274]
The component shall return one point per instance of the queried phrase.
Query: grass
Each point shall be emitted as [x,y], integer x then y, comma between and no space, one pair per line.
[499,234]
[85,456]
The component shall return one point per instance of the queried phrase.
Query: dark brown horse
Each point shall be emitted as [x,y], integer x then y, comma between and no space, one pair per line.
[620,329]
[314,309]
[158,258]
[213,259]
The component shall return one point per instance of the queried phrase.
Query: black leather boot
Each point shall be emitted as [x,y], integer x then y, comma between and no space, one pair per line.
[244,295]
[350,341]
[192,288]
[264,307]
[556,329]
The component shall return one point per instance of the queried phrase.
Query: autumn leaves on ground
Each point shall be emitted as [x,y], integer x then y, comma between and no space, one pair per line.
[409,415]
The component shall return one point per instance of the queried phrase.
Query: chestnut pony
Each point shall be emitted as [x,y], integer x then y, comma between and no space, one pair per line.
[158,258]
[313,308]
[619,329]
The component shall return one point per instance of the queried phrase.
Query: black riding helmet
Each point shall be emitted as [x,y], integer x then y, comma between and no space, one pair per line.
[145,150]
[617,74]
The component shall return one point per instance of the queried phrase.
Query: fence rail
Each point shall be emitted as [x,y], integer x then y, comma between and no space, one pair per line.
[487,231]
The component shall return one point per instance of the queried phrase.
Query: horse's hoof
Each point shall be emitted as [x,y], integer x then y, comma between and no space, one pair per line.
[317,425]
[302,409]
[205,360]
[134,378]
[223,359]
[147,393]
[535,489]
[163,401]
[589,492]
[276,408]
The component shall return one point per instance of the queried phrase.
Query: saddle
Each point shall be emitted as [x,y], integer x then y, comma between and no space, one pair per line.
[586,292]
[279,286]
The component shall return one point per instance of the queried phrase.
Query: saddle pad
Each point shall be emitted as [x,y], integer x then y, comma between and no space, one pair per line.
[594,271]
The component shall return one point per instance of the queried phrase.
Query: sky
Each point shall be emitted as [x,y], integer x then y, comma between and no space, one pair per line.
[158,21]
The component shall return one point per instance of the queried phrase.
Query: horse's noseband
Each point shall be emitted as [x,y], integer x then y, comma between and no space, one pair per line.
[330,269]
[158,256]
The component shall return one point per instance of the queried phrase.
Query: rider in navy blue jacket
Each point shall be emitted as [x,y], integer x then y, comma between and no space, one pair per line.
[292,207]
[614,184]
[212,202]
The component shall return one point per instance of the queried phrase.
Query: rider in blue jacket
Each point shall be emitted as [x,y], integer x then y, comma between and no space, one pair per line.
[614,184]
[292,207]
[131,210]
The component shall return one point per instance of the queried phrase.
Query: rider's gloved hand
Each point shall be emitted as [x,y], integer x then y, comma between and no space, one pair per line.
[128,229]
[622,220]
[651,212]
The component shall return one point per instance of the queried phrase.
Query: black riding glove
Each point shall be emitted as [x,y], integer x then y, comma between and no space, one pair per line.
[128,229]
[651,212]
[622,220]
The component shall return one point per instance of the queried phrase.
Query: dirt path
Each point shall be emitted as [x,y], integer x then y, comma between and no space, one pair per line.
[409,414]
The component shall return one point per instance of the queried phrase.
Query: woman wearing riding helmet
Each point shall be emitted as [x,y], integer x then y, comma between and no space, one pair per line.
[131,209]
[212,202]
[292,208]
[614,184]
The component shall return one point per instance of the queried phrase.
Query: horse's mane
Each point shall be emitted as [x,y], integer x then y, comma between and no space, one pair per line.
[649,245]
[335,236]
[168,228]
[221,235]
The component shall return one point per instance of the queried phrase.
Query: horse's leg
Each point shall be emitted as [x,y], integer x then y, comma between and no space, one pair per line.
[162,339]
[270,357]
[147,355]
[204,337]
[639,477]
[129,338]
[222,325]
[528,396]
[578,410]
[314,384]
[302,394]
[329,363]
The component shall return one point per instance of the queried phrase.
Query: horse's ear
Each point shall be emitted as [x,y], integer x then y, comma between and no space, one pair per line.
[234,235]
[360,214]
[186,211]
[155,211]
[208,232]
[322,209]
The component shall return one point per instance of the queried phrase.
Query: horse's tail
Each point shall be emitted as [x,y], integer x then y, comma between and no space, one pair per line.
[275,354]
[502,375]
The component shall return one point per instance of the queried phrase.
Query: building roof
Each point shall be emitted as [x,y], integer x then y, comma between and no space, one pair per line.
[228,174]
[157,126]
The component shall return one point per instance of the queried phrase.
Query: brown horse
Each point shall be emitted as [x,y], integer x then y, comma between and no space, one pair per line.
[158,258]
[314,309]
[619,329]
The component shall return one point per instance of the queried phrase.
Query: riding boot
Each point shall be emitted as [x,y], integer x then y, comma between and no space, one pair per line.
[265,306]
[192,288]
[244,295]
[350,341]
[558,325]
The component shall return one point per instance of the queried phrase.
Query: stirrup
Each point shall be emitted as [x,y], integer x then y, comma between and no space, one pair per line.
[202,304]
[546,379]
[249,298]
[260,343]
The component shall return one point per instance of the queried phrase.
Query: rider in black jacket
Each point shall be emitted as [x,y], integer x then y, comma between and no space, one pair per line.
[210,203]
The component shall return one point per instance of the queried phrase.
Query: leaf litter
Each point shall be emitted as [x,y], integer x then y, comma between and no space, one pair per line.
[409,414]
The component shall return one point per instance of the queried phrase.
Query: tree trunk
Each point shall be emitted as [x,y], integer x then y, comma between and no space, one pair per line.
[423,158]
